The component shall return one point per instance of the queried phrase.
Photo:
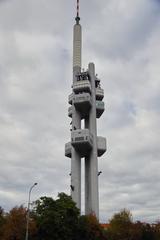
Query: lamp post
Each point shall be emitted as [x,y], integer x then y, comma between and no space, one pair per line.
[28,209]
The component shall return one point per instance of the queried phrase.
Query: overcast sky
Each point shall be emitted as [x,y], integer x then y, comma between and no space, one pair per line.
[122,37]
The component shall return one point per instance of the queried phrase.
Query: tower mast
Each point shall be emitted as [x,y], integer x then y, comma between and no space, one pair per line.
[77,17]
[77,40]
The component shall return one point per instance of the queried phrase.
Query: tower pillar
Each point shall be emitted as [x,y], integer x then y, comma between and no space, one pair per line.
[91,162]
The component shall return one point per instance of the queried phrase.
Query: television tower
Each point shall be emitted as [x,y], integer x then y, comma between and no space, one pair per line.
[86,105]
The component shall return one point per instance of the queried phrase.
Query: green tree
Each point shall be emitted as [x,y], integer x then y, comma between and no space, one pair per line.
[56,219]
[120,226]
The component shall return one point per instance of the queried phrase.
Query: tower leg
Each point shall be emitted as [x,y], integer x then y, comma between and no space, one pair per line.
[76,178]
[93,160]
[87,179]
[93,186]
[76,163]
[87,186]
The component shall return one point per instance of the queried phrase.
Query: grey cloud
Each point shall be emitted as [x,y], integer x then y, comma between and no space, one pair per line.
[127,28]
[35,79]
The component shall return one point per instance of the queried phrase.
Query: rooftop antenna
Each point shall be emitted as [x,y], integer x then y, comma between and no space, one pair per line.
[77,17]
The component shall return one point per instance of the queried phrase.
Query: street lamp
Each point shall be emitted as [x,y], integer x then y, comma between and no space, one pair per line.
[28,209]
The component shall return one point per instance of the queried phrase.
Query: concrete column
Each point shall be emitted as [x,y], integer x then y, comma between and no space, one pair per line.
[92,165]
[88,209]
[87,178]
[76,178]
[76,159]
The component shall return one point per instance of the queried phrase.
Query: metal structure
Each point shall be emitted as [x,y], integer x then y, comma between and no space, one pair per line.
[86,105]
[28,210]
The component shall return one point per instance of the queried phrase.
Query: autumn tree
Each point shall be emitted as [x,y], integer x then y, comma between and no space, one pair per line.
[2,221]
[157,230]
[89,228]
[136,231]
[148,232]
[15,225]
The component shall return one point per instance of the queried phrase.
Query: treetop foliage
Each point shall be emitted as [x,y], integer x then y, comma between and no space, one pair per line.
[59,219]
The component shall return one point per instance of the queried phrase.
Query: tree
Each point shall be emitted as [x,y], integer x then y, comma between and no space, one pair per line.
[2,221]
[120,226]
[89,228]
[136,231]
[15,225]
[157,230]
[148,232]
[56,219]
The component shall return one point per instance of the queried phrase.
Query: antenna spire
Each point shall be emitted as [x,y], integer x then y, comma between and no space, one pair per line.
[77,17]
